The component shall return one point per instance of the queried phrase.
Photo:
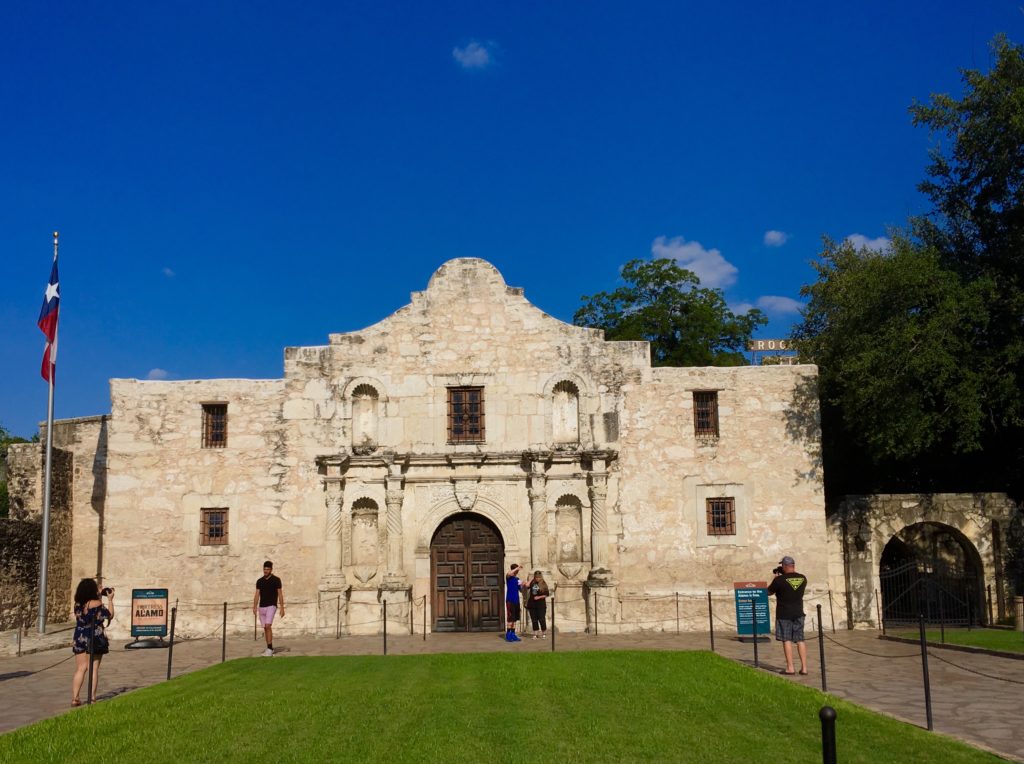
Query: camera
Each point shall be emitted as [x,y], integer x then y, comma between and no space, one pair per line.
[777,571]
[106,592]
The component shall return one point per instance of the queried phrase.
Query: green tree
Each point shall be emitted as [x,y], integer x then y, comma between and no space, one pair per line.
[890,333]
[664,304]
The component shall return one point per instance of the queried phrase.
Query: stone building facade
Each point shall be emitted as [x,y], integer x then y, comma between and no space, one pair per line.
[412,461]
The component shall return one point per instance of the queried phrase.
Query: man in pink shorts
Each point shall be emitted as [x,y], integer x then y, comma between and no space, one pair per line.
[268,598]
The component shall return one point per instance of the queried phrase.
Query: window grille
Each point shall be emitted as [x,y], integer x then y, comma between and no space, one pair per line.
[721,514]
[705,413]
[465,415]
[213,527]
[215,425]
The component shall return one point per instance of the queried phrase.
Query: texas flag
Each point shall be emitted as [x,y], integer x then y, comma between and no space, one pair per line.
[48,323]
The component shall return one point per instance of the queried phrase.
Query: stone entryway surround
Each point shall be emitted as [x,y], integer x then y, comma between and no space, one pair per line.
[374,556]
[864,525]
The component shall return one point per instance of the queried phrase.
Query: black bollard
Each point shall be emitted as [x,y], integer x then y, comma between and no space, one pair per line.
[424,617]
[827,714]
[385,627]
[224,635]
[821,653]
[924,667]
[990,621]
[170,646]
[831,612]
[337,619]
[711,623]
[942,621]
[970,612]
[595,613]
[878,609]
[255,629]
[677,613]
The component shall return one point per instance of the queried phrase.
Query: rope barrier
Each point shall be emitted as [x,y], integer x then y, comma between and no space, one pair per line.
[974,671]
[872,655]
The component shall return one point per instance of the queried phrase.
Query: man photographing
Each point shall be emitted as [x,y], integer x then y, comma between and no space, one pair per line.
[788,587]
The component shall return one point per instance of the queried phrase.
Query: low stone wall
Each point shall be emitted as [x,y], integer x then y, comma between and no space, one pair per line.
[21,537]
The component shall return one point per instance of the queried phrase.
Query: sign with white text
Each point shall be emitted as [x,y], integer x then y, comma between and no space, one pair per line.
[751,607]
[149,612]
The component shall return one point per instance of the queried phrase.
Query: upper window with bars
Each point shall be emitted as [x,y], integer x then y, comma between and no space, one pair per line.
[215,425]
[705,413]
[465,415]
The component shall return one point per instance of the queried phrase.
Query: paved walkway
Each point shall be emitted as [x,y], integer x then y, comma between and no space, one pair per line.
[885,676]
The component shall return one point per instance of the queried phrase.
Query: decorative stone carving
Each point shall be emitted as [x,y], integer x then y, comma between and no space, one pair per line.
[570,570]
[364,574]
[465,493]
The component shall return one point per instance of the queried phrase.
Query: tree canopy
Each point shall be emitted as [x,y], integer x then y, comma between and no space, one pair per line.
[664,304]
[921,347]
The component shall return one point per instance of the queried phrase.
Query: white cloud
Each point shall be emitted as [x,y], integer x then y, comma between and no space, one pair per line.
[475,55]
[775,238]
[859,241]
[168,272]
[157,374]
[740,308]
[711,268]
[772,303]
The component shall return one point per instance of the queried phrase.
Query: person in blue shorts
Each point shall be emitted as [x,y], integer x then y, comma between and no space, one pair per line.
[512,610]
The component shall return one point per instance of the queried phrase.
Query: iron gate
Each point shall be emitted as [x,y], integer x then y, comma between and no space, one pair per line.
[942,595]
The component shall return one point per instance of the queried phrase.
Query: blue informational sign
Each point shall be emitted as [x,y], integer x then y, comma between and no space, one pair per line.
[752,608]
[149,612]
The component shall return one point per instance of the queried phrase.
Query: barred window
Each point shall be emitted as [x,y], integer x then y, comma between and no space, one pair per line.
[465,415]
[705,413]
[215,425]
[213,526]
[721,513]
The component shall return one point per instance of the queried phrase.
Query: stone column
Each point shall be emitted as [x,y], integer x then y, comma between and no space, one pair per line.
[599,519]
[538,517]
[393,497]
[334,540]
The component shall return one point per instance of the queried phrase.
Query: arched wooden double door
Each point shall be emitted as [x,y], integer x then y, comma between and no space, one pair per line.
[466,560]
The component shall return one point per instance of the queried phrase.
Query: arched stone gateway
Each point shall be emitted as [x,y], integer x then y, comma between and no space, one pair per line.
[466,559]
[900,547]
[934,570]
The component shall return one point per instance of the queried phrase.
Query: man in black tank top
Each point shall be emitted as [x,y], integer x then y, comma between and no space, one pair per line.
[788,587]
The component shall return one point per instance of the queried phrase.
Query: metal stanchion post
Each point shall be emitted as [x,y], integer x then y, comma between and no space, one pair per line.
[831,612]
[677,613]
[711,623]
[337,619]
[821,652]
[827,714]
[753,625]
[878,609]
[170,646]
[92,657]
[924,668]
[21,628]
[385,627]
[255,632]
[970,612]
[990,621]
[552,624]
[942,621]
[224,635]
[424,617]
[595,613]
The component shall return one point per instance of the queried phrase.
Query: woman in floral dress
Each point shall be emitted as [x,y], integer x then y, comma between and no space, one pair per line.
[90,615]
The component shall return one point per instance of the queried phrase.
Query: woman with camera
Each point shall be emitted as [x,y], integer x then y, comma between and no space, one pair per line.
[89,638]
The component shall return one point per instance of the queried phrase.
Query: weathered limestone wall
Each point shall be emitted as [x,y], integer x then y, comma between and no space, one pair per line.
[21,537]
[766,457]
[341,472]
[159,477]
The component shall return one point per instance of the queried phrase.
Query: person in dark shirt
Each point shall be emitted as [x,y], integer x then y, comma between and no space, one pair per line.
[268,599]
[788,587]
[537,605]
[512,609]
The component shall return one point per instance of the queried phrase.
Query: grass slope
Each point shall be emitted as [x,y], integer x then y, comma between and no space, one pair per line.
[588,706]
[991,639]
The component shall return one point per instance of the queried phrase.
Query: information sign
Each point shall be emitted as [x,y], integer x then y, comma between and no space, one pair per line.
[149,612]
[751,593]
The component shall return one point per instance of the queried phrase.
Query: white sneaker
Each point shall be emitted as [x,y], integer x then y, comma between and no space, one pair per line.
[268,653]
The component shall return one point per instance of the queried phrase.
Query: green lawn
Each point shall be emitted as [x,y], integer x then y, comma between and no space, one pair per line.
[611,706]
[991,639]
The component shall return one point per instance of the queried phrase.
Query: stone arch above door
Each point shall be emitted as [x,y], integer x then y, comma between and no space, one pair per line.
[484,506]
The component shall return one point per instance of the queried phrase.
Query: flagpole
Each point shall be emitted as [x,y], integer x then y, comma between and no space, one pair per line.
[44,548]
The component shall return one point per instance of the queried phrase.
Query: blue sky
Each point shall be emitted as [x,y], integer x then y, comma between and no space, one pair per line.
[233,178]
